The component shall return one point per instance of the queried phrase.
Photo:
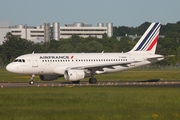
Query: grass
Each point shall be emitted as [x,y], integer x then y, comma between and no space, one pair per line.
[89,103]
[92,103]
[138,74]
[142,75]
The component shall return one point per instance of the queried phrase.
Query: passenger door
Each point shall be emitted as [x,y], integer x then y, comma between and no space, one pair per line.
[34,61]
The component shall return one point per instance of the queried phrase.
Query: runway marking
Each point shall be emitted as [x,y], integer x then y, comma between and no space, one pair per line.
[56,84]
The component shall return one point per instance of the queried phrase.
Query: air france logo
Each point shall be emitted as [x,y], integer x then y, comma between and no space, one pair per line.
[72,57]
[56,57]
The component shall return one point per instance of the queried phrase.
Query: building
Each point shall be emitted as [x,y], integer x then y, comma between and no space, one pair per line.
[4,29]
[86,30]
[47,31]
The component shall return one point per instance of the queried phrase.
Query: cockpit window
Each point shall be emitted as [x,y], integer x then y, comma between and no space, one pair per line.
[19,60]
[15,60]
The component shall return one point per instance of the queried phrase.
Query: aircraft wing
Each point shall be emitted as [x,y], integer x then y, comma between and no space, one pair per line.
[95,67]
[105,65]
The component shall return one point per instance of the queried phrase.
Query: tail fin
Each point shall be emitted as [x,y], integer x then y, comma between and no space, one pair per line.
[148,41]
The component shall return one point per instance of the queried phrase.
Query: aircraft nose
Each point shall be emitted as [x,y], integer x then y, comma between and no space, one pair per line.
[10,68]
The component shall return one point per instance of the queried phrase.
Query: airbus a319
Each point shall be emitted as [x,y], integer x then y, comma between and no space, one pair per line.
[76,66]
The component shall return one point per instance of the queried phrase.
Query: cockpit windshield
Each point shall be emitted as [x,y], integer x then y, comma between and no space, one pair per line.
[19,60]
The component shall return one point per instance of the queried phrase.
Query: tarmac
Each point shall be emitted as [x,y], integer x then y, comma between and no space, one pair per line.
[98,84]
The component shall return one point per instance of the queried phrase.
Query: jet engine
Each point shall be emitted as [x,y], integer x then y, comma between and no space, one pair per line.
[48,77]
[74,75]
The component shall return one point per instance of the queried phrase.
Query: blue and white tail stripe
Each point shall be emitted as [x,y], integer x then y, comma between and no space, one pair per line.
[149,39]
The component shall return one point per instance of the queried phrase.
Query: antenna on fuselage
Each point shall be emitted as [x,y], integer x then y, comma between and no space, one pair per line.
[33,52]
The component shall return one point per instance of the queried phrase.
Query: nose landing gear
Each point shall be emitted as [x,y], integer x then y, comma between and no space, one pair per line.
[31,82]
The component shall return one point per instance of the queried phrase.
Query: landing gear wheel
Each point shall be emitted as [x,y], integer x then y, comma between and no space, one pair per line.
[31,82]
[93,80]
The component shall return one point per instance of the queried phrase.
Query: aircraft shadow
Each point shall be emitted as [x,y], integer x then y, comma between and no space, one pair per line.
[151,80]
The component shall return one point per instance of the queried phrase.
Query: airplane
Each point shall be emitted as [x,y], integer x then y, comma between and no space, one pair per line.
[76,66]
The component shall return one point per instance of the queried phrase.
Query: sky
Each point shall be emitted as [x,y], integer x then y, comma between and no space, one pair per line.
[131,13]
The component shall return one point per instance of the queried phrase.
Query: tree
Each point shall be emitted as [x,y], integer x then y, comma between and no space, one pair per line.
[66,48]
[94,46]
[124,44]
[14,46]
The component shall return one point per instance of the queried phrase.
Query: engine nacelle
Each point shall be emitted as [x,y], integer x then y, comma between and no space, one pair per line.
[74,75]
[48,77]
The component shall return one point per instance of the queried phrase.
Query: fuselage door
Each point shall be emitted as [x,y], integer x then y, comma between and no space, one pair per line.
[34,61]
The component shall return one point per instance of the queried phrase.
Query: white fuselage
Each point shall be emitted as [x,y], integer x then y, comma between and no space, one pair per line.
[57,63]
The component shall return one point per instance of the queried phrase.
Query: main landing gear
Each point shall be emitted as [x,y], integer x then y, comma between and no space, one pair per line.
[93,80]
[31,82]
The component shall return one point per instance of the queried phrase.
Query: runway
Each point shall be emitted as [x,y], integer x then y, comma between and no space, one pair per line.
[99,84]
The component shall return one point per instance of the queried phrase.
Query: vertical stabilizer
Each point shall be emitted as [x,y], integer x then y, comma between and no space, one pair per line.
[148,41]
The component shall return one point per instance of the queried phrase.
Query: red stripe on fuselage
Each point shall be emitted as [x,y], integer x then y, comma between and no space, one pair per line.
[153,43]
